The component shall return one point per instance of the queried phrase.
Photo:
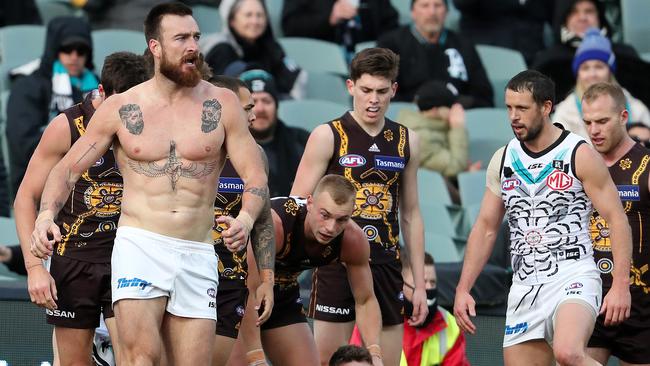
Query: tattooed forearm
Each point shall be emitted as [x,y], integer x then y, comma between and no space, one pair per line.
[131,117]
[263,239]
[55,206]
[92,147]
[211,115]
[173,168]
[261,192]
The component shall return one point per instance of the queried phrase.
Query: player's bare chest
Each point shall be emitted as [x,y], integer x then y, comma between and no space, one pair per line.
[151,134]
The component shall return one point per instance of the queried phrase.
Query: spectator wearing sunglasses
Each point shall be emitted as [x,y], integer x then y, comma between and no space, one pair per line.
[61,79]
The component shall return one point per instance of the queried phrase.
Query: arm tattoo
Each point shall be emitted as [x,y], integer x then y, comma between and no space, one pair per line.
[173,168]
[131,117]
[211,115]
[263,239]
[261,192]
[92,147]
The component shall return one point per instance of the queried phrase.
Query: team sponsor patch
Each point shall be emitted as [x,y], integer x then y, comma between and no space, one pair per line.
[230,185]
[558,164]
[510,184]
[559,181]
[212,293]
[132,282]
[60,313]
[629,192]
[392,163]
[517,328]
[352,161]
[332,310]
[374,148]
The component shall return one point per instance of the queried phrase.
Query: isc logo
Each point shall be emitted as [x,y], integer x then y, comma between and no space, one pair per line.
[559,181]
[510,184]
[352,160]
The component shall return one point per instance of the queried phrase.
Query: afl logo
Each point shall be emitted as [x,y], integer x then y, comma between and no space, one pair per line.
[559,181]
[510,184]
[352,161]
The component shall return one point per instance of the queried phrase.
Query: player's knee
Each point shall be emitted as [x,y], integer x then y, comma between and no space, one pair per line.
[567,355]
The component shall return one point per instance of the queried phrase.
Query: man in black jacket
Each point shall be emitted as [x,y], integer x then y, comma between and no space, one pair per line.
[64,76]
[282,144]
[345,22]
[572,18]
[429,51]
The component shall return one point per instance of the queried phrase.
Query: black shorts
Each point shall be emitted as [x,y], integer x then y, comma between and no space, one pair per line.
[231,304]
[84,292]
[287,308]
[629,340]
[331,298]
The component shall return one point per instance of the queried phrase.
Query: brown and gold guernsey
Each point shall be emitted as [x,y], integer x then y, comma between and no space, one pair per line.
[298,253]
[88,220]
[630,174]
[232,266]
[374,164]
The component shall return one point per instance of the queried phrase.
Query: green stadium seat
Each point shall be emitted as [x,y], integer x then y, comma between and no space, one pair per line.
[488,129]
[395,107]
[19,44]
[326,86]
[441,247]
[471,186]
[501,64]
[308,114]
[208,18]
[108,41]
[274,8]
[636,28]
[315,54]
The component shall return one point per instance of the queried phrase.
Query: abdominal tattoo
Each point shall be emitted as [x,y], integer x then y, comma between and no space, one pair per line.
[131,117]
[173,168]
[210,115]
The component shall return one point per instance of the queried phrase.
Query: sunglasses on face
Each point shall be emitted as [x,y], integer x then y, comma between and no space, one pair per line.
[81,50]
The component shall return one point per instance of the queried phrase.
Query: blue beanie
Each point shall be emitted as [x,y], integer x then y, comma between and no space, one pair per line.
[594,46]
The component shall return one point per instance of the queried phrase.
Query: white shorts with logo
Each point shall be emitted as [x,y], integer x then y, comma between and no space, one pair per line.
[147,265]
[532,308]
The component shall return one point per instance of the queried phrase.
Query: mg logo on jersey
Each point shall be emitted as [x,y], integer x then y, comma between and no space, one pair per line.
[510,184]
[352,161]
[559,181]
[628,192]
[230,185]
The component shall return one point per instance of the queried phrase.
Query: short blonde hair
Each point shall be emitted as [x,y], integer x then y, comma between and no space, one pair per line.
[613,90]
[340,189]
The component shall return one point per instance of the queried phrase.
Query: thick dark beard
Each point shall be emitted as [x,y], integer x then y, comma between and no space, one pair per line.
[266,134]
[175,73]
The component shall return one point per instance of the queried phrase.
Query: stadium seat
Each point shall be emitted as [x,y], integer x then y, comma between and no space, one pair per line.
[441,247]
[274,8]
[488,129]
[19,44]
[315,55]
[4,98]
[108,41]
[471,186]
[432,190]
[636,28]
[208,18]
[363,45]
[395,107]
[501,64]
[308,113]
[50,9]
[326,86]
[8,235]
